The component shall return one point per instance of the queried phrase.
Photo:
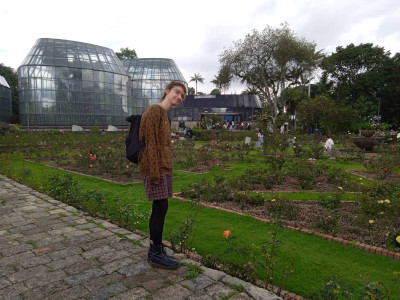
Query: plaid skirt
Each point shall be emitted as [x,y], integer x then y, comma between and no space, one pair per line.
[158,191]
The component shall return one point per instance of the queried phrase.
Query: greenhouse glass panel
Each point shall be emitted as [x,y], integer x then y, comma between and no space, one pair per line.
[49,59]
[149,79]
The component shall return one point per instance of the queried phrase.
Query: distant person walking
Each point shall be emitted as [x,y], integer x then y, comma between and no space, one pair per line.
[156,169]
[260,141]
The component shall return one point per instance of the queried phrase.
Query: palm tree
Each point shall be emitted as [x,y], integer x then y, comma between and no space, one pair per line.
[197,77]
[217,82]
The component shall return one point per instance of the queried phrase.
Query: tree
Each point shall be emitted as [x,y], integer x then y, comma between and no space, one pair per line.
[361,77]
[126,53]
[390,106]
[11,77]
[191,91]
[197,78]
[223,80]
[292,97]
[270,61]
[250,90]
[215,92]
[324,113]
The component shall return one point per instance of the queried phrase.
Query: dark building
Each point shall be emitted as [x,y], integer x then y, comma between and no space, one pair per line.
[235,108]
[64,83]
[5,100]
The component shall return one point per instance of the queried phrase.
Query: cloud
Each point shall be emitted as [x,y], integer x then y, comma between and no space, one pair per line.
[193,33]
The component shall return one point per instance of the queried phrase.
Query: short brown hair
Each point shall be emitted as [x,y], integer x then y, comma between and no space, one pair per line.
[171,85]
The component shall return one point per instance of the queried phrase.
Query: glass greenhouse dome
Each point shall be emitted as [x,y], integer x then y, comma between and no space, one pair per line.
[5,100]
[63,83]
[149,78]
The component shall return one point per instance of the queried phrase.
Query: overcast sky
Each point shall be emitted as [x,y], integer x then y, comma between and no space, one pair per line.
[193,32]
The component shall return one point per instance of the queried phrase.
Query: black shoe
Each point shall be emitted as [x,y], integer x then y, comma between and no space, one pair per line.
[153,252]
[159,259]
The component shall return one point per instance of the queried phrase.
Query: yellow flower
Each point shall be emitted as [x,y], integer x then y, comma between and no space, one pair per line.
[340,188]
[398,239]
[387,200]
[273,200]
[380,201]
[371,221]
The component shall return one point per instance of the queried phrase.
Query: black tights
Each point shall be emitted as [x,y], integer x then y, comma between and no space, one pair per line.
[156,223]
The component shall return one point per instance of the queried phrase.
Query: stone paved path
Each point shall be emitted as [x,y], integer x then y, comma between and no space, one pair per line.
[49,250]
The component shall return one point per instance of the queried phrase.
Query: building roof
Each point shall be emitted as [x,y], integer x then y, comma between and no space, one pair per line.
[221,101]
[65,53]
[153,69]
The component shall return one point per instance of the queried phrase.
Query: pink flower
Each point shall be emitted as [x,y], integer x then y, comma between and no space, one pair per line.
[311,162]
[120,138]
[278,155]
[91,166]
[16,136]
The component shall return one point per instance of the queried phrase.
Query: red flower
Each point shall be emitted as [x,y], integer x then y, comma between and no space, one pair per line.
[120,138]
[385,169]
[73,154]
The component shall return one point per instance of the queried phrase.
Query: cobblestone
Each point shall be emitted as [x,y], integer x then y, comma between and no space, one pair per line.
[50,250]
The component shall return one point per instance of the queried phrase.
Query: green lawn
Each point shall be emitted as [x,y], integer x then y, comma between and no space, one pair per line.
[314,259]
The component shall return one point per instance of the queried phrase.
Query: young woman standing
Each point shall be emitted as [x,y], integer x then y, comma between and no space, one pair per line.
[156,168]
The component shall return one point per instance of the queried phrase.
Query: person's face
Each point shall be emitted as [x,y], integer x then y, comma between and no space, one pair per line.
[175,95]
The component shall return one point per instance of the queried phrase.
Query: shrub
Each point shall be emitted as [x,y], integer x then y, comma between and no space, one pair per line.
[281,208]
[383,165]
[330,201]
[327,222]
[306,172]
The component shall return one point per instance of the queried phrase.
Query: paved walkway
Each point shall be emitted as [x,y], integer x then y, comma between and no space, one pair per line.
[49,250]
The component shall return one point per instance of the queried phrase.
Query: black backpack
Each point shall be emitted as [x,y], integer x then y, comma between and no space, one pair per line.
[132,143]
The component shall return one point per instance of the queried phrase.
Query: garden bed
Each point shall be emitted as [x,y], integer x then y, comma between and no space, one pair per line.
[342,222]
[393,178]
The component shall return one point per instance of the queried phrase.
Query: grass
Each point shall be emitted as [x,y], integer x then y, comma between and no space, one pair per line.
[314,259]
